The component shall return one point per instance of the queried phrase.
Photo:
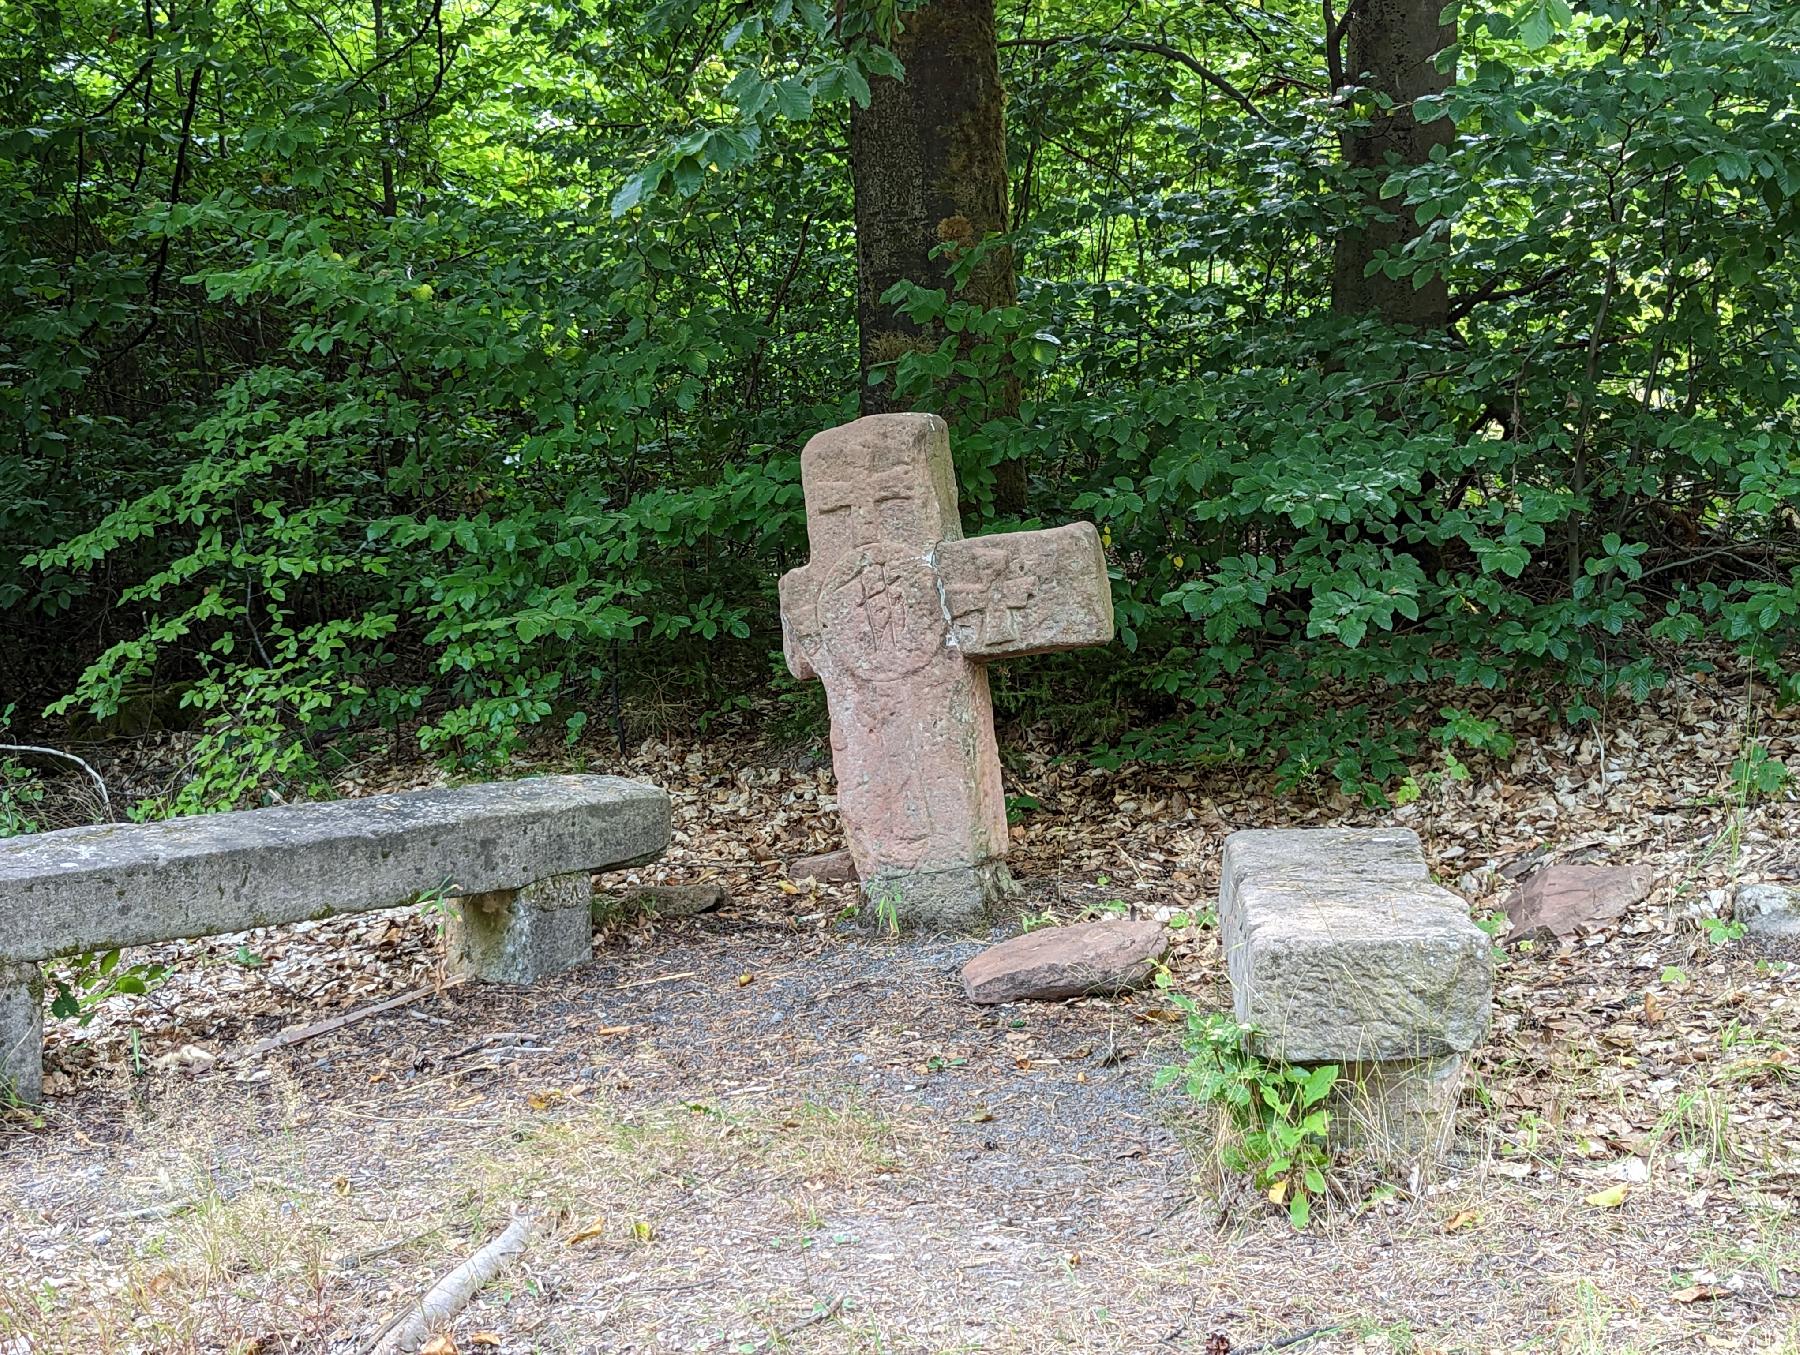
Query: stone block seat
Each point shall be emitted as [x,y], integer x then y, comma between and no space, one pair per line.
[517,854]
[1341,949]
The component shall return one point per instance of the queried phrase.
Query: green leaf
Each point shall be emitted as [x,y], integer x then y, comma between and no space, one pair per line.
[632,191]
[793,100]
[1300,1209]
[1536,30]
[856,86]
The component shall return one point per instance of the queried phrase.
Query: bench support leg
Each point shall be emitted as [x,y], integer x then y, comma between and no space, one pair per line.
[21,1034]
[521,935]
[1397,1113]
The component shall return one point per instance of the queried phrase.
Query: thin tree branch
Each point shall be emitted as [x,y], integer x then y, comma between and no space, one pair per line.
[1334,53]
[1238,19]
[177,181]
[1737,549]
[753,382]
[430,25]
[106,109]
[1334,33]
[324,32]
[450,1295]
[1107,43]
[1491,290]
[35,750]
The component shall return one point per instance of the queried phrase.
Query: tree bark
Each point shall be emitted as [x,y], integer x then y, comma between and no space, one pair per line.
[1392,49]
[390,204]
[928,162]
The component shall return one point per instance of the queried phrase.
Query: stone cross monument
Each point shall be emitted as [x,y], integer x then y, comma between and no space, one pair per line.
[897,614]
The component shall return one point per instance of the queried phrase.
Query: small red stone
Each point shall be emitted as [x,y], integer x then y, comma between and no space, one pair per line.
[1064,962]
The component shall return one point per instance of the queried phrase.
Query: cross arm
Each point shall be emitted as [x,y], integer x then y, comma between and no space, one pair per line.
[1027,592]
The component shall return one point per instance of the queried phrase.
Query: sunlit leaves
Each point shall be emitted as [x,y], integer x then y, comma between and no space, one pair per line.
[1540,20]
[452,470]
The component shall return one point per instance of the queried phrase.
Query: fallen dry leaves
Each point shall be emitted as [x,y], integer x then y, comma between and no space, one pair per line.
[587,1232]
[1642,1075]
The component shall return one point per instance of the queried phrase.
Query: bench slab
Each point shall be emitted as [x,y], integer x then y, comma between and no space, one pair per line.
[518,854]
[95,889]
[1340,947]
[1342,950]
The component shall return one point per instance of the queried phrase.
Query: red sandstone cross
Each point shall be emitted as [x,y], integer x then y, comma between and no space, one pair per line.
[897,614]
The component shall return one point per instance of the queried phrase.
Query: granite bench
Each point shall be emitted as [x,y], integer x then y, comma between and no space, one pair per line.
[517,854]
[1341,949]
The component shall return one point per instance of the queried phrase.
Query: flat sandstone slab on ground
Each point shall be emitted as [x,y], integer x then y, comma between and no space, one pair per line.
[827,868]
[86,889]
[1111,956]
[1340,947]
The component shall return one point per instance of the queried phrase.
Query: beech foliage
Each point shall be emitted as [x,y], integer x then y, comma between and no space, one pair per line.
[441,369]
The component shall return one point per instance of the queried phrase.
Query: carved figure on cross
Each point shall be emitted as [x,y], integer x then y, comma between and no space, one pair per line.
[898,616]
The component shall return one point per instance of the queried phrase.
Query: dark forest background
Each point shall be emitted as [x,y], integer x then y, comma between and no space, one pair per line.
[436,371]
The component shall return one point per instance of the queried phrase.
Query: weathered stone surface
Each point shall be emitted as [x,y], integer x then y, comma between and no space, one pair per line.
[21,1033]
[1026,592]
[1340,948]
[896,614]
[1399,1112]
[1062,962]
[130,884]
[672,900]
[522,935]
[1768,910]
[1561,902]
[832,868]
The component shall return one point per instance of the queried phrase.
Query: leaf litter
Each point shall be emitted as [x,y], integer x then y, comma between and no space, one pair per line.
[840,1154]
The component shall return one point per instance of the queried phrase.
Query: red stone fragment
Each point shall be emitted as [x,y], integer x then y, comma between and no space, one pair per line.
[830,868]
[1064,962]
[1561,902]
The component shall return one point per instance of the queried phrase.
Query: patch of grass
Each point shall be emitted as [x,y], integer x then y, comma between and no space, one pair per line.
[1699,1122]
[569,1160]
[1584,1321]
[1756,1058]
[1766,1244]
[193,1281]
[1398,1337]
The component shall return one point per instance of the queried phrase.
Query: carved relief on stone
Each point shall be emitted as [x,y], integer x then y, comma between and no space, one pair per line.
[896,614]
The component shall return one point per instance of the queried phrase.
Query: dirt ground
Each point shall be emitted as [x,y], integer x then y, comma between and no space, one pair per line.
[752,1132]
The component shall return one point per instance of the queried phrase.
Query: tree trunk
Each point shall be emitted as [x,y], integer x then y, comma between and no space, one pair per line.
[928,161]
[390,204]
[1392,49]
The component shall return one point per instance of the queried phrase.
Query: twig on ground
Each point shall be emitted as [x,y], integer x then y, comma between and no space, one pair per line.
[99,784]
[351,1113]
[660,978]
[812,1319]
[168,1209]
[1283,1342]
[492,1038]
[351,1260]
[294,1036]
[282,1183]
[150,1212]
[450,1295]
[466,1070]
